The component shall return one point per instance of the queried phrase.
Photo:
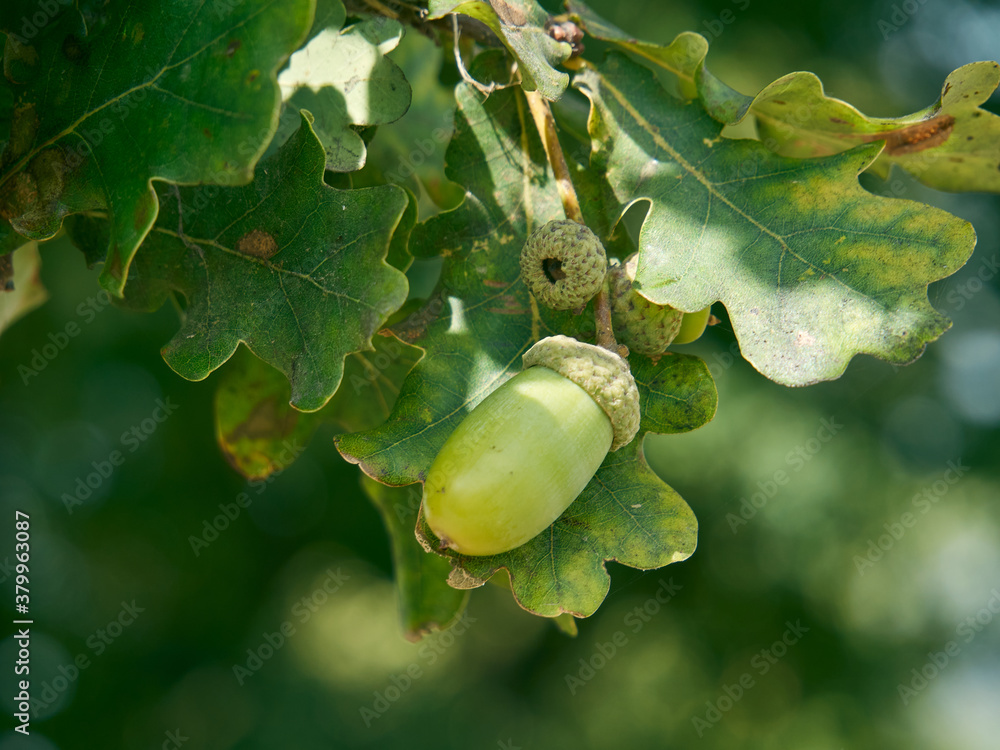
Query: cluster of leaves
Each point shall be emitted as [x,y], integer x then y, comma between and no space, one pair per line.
[204,154]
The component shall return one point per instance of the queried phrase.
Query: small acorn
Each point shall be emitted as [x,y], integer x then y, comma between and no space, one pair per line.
[564,264]
[525,453]
[643,326]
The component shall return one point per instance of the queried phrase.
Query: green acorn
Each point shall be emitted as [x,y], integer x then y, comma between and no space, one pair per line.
[525,453]
[643,326]
[563,264]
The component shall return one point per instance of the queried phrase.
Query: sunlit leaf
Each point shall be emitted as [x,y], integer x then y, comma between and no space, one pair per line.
[344,79]
[812,268]
[954,144]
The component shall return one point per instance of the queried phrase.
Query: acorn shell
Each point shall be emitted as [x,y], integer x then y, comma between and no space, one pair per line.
[563,264]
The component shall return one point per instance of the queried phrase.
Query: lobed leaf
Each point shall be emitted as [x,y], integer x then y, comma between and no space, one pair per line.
[256,425]
[344,79]
[291,267]
[626,514]
[683,57]
[109,99]
[812,268]
[954,144]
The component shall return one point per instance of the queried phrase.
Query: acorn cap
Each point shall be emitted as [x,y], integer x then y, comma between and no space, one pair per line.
[643,326]
[563,263]
[601,373]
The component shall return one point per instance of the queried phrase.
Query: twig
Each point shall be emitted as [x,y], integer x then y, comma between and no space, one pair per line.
[602,318]
[546,125]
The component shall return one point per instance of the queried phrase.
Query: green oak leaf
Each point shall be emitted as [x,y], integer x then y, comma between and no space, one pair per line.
[426,601]
[256,426]
[683,57]
[521,26]
[345,80]
[474,332]
[812,268]
[183,93]
[954,144]
[23,291]
[293,268]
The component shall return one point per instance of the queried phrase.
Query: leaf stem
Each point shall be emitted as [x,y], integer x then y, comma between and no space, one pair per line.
[546,125]
[602,317]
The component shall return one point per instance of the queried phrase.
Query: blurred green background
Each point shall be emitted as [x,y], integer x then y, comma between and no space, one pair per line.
[820,556]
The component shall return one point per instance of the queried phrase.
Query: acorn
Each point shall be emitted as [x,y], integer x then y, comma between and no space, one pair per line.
[563,264]
[643,326]
[524,454]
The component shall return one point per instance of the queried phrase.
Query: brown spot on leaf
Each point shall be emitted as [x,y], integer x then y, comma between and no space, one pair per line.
[207,132]
[509,310]
[917,137]
[48,168]
[266,420]
[838,121]
[233,46]
[257,243]
[415,325]
[253,75]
